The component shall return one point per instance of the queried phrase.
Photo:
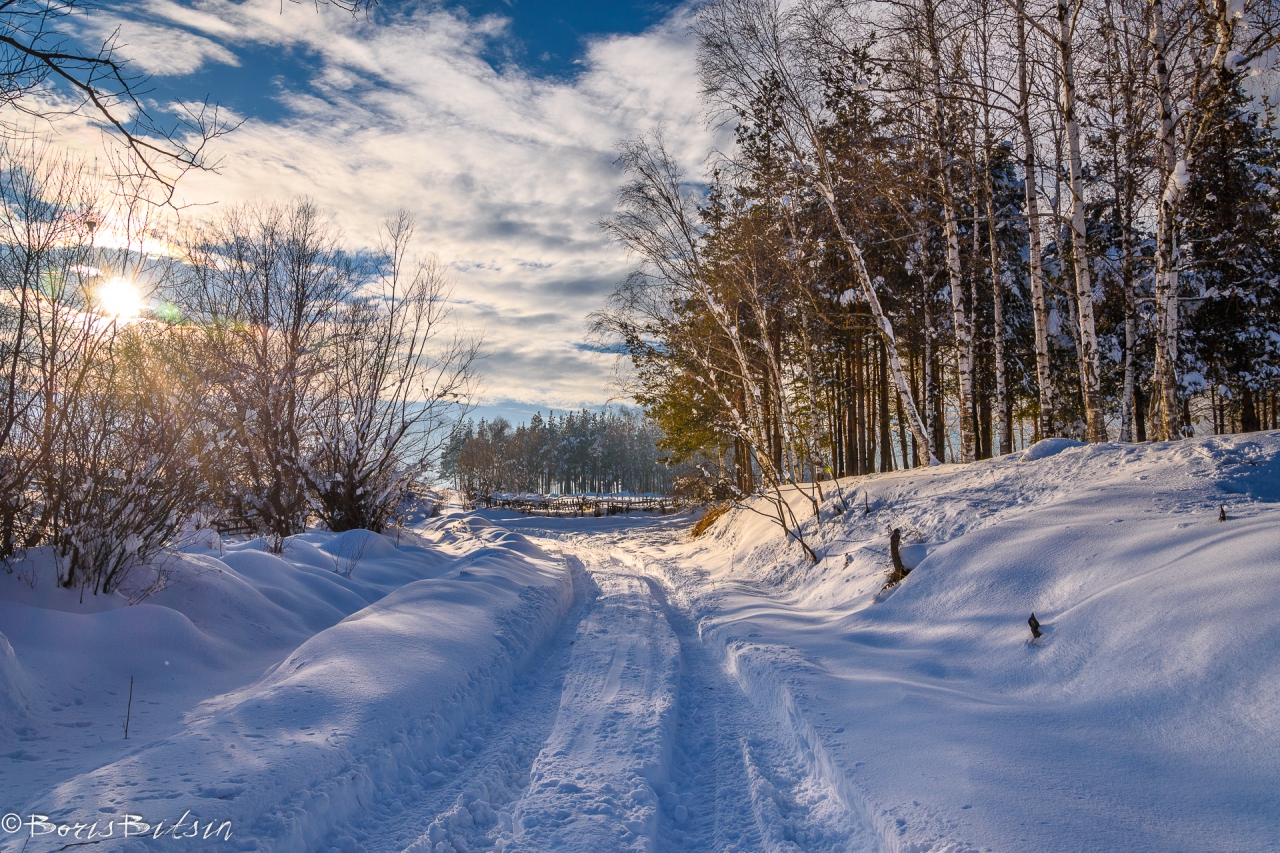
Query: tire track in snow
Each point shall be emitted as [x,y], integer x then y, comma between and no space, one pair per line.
[594,786]
[630,735]
[739,782]
[467,804]
[706,806]
[751,780]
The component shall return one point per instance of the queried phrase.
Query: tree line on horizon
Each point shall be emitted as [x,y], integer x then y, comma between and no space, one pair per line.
[947,228]
[606,452]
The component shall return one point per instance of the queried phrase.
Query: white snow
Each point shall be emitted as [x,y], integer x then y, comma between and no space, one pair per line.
[1146,717]
[594,784]
[1177,183]
[510,683]
[358,699]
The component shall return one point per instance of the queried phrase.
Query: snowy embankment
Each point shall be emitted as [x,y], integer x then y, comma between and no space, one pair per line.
[1147,718]
[375,657]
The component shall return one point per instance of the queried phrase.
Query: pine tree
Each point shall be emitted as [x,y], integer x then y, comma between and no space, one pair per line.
[1231,214]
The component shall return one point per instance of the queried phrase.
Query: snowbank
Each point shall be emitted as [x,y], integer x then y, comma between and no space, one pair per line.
[15,687]
[356,686]
[1147,718]
[375,656]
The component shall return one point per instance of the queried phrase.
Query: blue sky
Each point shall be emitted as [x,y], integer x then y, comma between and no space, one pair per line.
[547,39]
[548,36]
[494,122]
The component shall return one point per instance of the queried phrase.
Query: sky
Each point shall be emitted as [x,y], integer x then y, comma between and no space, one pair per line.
[494,121]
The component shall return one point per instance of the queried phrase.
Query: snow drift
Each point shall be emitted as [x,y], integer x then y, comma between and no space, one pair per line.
[351,693]
[1144,719]
[358,698]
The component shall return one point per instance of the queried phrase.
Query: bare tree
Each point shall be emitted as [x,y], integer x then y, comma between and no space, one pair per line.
[37,56]
[1121,101]
[988,89]
[48,341]
[727,347]
[399,378]
[130,478]
[1035,263]
[1063,34]
[265,284]
[944,147]
[95,448]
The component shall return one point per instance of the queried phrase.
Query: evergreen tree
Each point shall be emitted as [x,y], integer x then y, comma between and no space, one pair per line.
[1231,250]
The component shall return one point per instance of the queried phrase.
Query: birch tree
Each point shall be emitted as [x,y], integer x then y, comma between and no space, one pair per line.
[745,46]
[1035,264]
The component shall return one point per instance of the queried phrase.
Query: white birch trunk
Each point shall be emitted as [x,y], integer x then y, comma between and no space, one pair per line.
[1004,438]
[1165,400]
[1039,314]
[963,332]
[1090,361]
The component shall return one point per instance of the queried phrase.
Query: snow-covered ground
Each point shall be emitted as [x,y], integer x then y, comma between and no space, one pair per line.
[500,682]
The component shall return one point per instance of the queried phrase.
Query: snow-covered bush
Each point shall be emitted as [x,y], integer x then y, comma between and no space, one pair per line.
[93,454]
[127,475]
[46,203]
[395,384]
[263,284]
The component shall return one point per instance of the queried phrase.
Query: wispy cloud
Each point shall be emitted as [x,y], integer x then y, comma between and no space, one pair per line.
[156,49]
[508,173]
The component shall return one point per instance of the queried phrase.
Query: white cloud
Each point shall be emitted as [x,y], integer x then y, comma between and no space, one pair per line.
[155,49]
[508,174]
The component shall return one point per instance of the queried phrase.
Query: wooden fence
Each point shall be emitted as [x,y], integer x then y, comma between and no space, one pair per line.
[581,505]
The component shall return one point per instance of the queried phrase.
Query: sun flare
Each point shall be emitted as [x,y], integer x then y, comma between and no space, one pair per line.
[119,298]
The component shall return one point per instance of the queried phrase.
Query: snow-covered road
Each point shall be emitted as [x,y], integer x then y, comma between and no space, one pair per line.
[814,712]
[629,734]
[494,682]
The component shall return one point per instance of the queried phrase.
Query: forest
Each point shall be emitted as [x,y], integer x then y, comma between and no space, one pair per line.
[605,452]
[945,229]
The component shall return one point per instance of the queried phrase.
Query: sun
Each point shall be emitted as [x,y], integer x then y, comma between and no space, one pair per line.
[119,298]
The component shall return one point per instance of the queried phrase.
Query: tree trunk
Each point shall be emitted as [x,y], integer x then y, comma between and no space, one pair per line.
[1248,411]
[1039,314]
[1166,290]
[930,386]
[951,226]
[938,405]
[981,392]
[860,374]
[1004,432]
[851,418]
[1090,361]
[1125,155]
[902,434]
[886,434]
[1128,404]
